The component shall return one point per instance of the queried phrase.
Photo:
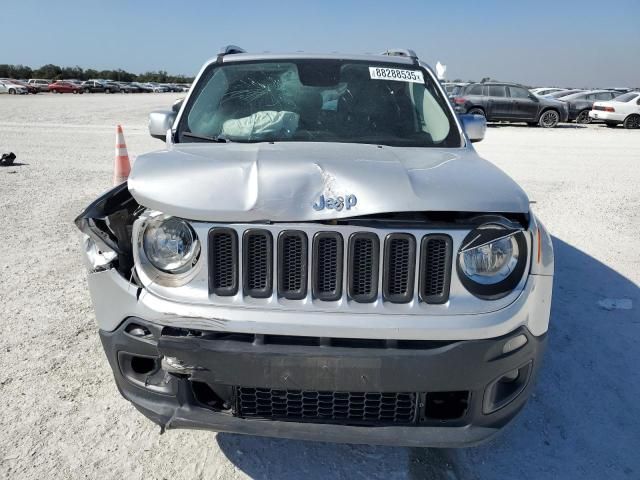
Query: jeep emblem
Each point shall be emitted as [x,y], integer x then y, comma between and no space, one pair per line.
[337,203]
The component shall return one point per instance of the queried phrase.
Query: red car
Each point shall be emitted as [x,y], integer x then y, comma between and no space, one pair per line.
[64,87]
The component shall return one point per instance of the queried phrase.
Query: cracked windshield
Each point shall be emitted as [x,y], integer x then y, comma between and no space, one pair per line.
[319,101]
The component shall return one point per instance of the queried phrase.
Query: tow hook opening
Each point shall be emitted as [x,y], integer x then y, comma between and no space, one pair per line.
[506,388]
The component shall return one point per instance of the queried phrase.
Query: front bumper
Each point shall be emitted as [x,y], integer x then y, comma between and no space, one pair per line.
[463,373]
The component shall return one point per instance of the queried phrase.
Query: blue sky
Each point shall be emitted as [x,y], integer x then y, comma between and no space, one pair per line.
[578,43]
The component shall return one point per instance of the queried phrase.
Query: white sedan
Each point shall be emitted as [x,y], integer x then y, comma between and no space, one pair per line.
[6,86]
[623,109]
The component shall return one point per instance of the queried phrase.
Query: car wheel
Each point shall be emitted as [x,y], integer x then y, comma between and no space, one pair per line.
[611,124]
[86,90]
[54,91]
[12,91]
[549,119]
[583,117]
[632,121]
[106,90]
[476,111]
[74,91]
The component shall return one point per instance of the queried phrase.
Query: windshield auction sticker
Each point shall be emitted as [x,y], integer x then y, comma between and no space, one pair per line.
[382,73]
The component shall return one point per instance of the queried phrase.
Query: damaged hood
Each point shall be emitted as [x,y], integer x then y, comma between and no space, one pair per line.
[237,182]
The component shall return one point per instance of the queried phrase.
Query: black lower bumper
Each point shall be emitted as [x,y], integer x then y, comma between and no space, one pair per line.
[454,393]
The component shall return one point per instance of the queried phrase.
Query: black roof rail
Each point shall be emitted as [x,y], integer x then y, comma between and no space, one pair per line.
[229,50]
[401,52]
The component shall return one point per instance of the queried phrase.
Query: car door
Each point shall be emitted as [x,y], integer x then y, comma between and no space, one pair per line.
[499,105]
[525,104]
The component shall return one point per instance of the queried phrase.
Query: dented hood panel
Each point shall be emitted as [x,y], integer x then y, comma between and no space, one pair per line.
[280,182]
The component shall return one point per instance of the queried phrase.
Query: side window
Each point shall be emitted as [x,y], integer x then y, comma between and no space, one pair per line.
[497,91]
[518,92]
[604,96]
[475,90]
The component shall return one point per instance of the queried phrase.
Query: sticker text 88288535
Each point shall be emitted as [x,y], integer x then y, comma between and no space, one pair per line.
[399,74]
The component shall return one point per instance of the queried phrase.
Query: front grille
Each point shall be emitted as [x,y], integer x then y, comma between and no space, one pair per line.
[292,263]
[399,267]
[435,268]
[258,263]
[223,271]
[326,407]
[364,252]
[328,250]
[297,267]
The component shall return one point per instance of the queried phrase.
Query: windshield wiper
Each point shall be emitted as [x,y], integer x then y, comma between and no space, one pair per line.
[216,139]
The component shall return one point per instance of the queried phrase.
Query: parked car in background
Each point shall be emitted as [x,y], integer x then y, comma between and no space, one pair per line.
[127,87]
[92,86]
[141,87]
[453,88]
[42,85]
[62,86]
[546,91]
[111,87]
[7,86]
[30,88]
[563,93]
[623,109]
[580,104]
[155,87]
[510,102]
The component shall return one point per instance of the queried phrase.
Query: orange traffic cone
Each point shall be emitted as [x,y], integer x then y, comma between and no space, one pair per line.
[122,167]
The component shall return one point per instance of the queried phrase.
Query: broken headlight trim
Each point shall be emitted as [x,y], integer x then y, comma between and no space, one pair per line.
[492,260]
[168,248]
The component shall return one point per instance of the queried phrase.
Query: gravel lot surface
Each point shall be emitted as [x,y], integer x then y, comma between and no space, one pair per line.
[62,416]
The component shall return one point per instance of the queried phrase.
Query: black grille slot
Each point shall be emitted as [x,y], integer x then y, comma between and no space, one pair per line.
[257,263]
[399,267]
[435,268]
[292,264]
[327,266]
[223,261]
[372,408]
[364,254]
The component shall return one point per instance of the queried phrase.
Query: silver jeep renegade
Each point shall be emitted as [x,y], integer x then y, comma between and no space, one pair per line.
[319,253]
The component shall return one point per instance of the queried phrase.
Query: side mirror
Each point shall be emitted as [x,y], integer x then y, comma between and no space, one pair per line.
[159,122]
[474,126]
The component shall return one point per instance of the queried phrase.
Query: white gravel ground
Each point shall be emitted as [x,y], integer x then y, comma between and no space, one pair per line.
[61,415]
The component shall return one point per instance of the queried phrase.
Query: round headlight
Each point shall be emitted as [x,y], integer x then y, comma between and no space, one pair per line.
[171,245]
[491,260]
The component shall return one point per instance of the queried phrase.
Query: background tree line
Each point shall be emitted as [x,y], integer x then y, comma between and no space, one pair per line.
[54,72]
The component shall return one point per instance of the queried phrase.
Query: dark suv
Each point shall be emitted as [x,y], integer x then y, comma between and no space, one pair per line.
[510,102]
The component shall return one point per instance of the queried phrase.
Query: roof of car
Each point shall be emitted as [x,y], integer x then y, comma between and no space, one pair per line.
[248,57]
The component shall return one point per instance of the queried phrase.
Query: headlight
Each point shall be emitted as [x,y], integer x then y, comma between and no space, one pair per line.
[170,244]
[491,260]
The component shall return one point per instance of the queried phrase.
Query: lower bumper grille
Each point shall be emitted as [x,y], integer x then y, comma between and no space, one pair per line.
[373,408]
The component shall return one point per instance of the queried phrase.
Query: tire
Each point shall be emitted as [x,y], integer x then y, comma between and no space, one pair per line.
[106,90]
[12,91]
[549,119]
[611,124]
[86,90]
[75,92]
[583,117]
[476,111]
[54,91]
[632,121]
